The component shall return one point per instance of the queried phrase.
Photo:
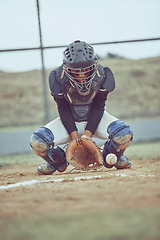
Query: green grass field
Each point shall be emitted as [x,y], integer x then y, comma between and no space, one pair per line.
[131,224]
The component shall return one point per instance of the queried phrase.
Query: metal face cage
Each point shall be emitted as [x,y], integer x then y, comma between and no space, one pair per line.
[81,78]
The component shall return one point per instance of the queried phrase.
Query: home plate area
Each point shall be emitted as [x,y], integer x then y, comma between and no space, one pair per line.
[23,192]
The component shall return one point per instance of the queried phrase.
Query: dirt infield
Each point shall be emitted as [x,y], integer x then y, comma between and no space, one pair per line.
[76,191]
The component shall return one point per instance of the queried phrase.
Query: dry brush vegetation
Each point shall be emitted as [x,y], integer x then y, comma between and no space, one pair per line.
[136,94]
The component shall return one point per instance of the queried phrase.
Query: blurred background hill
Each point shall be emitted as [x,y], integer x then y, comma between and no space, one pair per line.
[134,64]
[136,94]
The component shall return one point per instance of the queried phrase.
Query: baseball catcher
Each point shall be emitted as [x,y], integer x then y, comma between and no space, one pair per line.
[80,87]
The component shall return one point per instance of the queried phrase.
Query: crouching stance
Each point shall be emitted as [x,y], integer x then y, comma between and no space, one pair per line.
[80,87]
[119,138]
[42,144]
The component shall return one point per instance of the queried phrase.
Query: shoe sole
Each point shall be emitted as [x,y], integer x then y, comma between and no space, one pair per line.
[129,165]
[40,172]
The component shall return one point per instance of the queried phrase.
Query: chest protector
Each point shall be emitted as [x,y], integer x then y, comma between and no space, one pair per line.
[80,105]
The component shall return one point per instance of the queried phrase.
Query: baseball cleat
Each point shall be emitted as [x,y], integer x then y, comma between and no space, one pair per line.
[46,169]
[129,165]
[123,163]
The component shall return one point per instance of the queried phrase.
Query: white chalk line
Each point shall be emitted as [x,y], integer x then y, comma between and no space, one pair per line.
[27,183]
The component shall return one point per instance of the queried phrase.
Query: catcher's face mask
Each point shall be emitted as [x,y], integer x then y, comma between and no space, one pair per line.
[81,78]
[80,65]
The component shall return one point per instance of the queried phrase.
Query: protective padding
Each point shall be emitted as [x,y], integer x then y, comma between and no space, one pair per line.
[42,140]
[57,155]
[120,135]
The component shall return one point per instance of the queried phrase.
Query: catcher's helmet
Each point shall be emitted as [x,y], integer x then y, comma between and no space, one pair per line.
[80,65]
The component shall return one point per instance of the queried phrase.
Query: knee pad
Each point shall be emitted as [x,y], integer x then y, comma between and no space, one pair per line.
[41,141]
[120,135]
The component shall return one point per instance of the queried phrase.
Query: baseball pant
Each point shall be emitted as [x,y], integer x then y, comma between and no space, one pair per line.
[62,137]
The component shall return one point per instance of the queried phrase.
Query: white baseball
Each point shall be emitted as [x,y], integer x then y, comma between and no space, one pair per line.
[111,159]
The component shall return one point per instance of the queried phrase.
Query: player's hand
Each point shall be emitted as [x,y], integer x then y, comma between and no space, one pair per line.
[84,136]
[87,134]
[74,135]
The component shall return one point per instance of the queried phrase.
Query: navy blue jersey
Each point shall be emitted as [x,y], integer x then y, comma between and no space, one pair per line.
[74,107]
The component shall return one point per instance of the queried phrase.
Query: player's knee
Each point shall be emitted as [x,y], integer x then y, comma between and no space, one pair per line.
[42,140]
[120,135]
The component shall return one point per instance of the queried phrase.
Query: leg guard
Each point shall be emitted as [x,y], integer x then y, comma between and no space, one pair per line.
[59,158]
[120,137]
[42,144]
[58,162]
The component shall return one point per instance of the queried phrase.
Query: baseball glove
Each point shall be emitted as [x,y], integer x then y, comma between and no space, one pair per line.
[84,154]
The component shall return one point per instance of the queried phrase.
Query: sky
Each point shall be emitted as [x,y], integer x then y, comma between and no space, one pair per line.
[64,21]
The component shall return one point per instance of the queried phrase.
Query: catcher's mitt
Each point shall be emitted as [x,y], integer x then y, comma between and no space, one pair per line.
[84,154]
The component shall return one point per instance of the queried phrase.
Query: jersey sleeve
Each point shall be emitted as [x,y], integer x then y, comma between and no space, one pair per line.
[97,110]
[98,104]
[65,114]
[62,104]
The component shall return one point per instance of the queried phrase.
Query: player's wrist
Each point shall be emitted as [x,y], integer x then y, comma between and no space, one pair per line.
[73,135]
[87,134]
[84,136]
